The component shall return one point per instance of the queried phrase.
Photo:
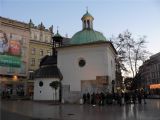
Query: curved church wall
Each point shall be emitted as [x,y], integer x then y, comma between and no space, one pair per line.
[43,91]
[97,66]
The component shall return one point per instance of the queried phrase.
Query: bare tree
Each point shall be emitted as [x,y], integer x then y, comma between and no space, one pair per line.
[131,52]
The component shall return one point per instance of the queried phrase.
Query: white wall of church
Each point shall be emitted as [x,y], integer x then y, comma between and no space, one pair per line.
[111,65]
[98,63]
[45,92]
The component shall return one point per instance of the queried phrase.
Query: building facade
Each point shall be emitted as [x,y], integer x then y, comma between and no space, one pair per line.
[48,77]
[149,74]
[22,45]
[39,45]
[14,48]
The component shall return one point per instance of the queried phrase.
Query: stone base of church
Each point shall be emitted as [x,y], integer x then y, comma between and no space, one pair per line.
[70,96]
[101,84]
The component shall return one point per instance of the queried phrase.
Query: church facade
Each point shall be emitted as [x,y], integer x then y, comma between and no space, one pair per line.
[87,63]
[86,68]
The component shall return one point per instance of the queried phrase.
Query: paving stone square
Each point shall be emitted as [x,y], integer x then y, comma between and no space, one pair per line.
[30,110]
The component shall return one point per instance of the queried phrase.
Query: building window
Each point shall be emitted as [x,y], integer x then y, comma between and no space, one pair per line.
[41,37]
[32,35]
[48,52]
[47,39]
[39,60]
[51,41]
[35,36]
[11,35]
[33,61]
[41,52]
[31,75]
[24,40]
[40,83]
[33,51]
[82,62]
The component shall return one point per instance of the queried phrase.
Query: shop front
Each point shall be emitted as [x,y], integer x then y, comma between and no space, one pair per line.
[11,87]
[154,89]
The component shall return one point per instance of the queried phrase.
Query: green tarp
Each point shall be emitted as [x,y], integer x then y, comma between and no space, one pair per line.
[10,61]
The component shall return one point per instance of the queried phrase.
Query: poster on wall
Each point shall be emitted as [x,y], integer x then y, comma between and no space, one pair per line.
[14,48]
[10,51]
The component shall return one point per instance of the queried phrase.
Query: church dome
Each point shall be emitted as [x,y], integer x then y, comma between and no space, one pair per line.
[87,34]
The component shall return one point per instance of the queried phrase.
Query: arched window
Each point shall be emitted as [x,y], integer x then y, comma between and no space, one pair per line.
[88,24]
[40,83]
[82,62]
[84,24]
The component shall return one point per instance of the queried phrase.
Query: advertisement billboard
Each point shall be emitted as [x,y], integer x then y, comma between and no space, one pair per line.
[10,51]
[14,48]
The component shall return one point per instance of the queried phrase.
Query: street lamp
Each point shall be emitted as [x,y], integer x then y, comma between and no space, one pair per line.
[15,78]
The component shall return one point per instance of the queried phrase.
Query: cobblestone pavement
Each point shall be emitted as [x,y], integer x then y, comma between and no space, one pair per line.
[29,110]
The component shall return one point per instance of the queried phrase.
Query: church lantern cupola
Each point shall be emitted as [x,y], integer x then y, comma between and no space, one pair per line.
[87,34]
[57,42]
[87,21]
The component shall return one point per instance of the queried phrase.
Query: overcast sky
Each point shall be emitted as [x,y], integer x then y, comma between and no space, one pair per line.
[111,17]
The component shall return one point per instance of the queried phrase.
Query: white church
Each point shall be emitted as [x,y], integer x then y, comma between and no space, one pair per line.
[86,64]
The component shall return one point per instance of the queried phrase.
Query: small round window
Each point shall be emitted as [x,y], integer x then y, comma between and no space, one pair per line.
[82,63]
[40,83]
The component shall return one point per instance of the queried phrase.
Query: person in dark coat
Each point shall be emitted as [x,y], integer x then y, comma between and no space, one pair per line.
[93,99]
[102,98]
[144,96]
[134,97]
[88,98]
[139,97]
[84,98]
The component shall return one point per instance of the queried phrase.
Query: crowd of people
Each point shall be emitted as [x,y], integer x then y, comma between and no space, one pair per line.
[6,94]
[114,98]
